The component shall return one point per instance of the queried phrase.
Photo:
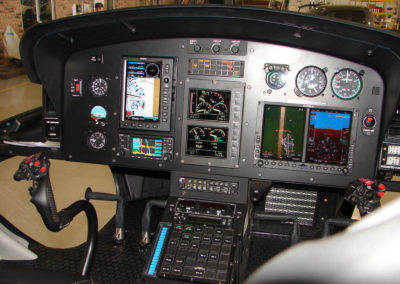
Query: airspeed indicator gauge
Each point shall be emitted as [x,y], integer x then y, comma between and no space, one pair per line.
[99,87]
[311,81]
[346,84]
[96,140]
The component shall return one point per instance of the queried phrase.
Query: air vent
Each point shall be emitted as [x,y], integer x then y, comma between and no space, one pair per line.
[394,127]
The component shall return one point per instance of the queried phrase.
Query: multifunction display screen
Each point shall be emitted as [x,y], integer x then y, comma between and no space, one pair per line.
[207,141]
[283,133]
[147,147]
[209,105]
[142,90]
[328,136]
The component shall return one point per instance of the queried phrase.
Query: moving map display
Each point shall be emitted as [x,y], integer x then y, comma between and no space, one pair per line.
[283,132]
[147,147]
[328,137]
[142,95]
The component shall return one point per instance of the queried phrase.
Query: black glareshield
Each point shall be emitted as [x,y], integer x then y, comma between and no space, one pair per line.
[36,168]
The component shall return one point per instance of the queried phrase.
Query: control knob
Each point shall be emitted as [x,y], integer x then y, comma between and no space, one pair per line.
[260,163]
[235,49]
[197,48]
[167,157]
[166,80]
[216,48]
[369,121]
[120,153]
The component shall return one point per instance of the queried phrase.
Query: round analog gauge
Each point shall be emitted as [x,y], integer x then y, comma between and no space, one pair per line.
[99,87]
[218,135]
[346,84]
[275,79]
[220,108]
[196,133]
[211,98]
[311,81]
[97,140]
[98,112]
[152,70]
[203,107]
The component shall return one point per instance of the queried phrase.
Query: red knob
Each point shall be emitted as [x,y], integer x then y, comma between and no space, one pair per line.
[37,164]
[370,119]
[28,160]
[43,169]
[381,186]
[381,194]
[369,183]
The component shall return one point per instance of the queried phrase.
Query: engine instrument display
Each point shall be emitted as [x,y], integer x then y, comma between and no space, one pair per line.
[207,141]
[209,105]
[283,132]
[311,81]
[328,137]
[147,147]
[142,92]
[346,84]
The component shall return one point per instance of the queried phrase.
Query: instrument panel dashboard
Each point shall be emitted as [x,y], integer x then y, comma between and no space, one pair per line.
[225,107]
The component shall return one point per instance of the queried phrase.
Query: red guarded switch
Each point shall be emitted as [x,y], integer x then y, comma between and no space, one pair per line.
[43,169]
[369,182]
[381,194]
[37,164]
[77,87]
[370,119]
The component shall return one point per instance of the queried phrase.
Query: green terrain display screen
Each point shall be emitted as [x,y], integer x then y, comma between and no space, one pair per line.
[283,132]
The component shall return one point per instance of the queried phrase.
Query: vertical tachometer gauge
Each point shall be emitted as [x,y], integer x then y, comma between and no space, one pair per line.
[99,87]
[311,81]
[96,140]
[346,84]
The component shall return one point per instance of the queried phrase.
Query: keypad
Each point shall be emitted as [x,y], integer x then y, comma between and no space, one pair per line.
[199,252]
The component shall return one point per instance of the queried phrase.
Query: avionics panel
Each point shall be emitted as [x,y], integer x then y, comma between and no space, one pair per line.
[328,136]
[145,147]
[306,139]
[211,126]
[283,133]
[146,93]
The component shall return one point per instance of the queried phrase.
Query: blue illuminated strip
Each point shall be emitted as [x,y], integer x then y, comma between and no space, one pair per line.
[157,251]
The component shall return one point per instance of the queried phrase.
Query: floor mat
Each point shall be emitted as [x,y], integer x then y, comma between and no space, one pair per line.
[263,247]
[112,264]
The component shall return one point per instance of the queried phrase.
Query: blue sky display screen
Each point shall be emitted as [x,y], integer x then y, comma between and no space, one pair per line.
[147,147]
[328,136]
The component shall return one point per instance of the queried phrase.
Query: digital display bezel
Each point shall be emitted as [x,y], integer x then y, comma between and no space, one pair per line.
[166,75]
[225,151]
[344,163]
[131,138]
[226,103]
[278,156]
[141,81]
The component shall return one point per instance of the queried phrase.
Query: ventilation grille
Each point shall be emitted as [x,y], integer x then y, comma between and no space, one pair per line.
[301,203]
[394,127]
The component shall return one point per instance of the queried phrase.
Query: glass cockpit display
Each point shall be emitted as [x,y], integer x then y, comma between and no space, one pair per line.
[328,137]
[147,147]
[142,92]
[209,105]
[207,141]
[283,132]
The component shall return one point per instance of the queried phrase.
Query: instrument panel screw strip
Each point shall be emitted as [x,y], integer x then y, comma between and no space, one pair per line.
[180,82]
[269,91]
[311,179]
[264,93]
[179,118]
[259,174]
[249,87]
[70,156]
[183,46]
[251,50]
[182,161]
[244,160]
[176,154]
[188,80]
[246,124]
[116,77]
[209,169]
[115,113]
